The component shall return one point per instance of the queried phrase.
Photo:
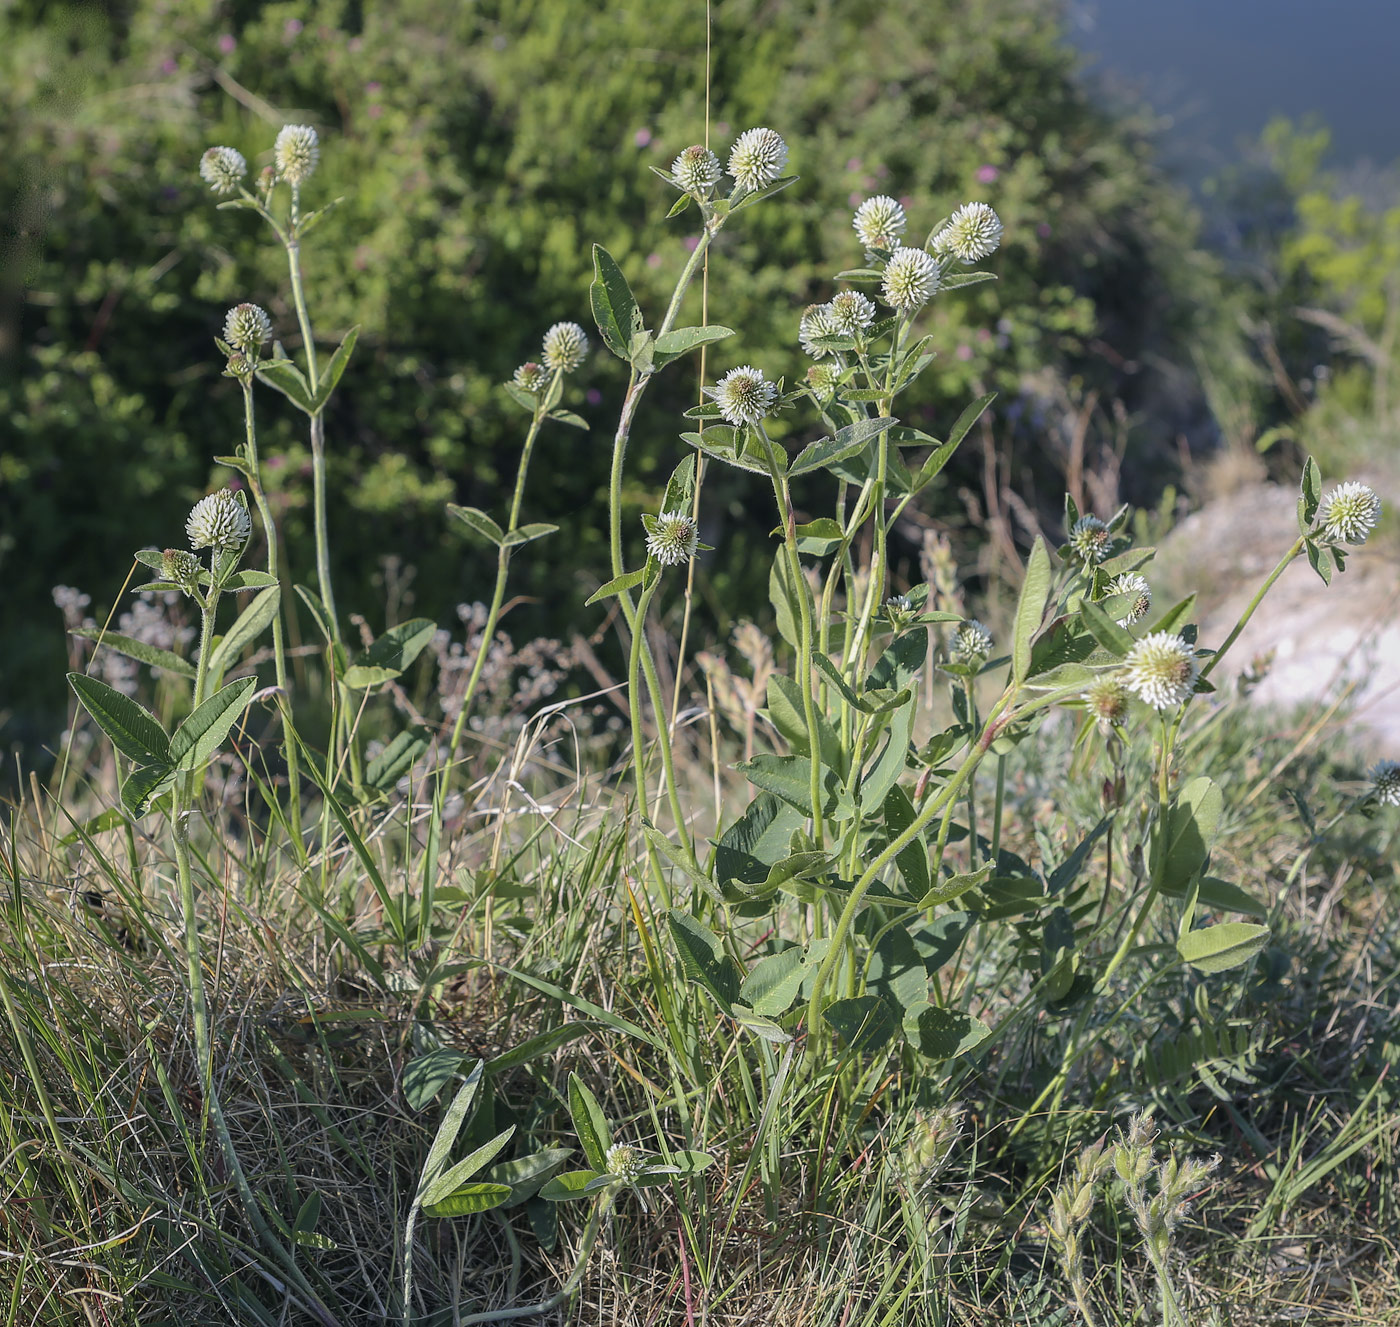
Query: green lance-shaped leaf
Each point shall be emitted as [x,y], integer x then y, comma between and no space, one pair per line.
[1030,609]
[618,585]
[394,651]
[525,1176]
[284,376]
[526,534]
[614,306]
[1219,948]
[144,785]
[205,728]
[139,650]
[773,982]
[134,730]
[571,1185]
[247,628]
[246,580]
[1105,630]
[590,1124]
[702,958]
[543,1043]
[683,340]
[848,441]
[469,1199]
[452,1179]
[391,764]
[335,368]
[426,1075]
[478,522]
[1193,825]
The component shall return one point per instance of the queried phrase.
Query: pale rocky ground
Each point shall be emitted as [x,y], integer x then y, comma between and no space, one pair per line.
[1325,637]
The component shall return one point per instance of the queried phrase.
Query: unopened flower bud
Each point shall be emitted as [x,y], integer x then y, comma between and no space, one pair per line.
[972,643]
[1106,699]
[1090,539]
[696,170]
[297,151]
[531,377]
[182,568]
[822,379]
[222,169]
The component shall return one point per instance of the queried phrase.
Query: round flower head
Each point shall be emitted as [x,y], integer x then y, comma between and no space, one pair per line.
[757,158]
[219,522]
[911,276]
[744,395]
[696,170]
[530,376]
[1131,583]
[1350,512]
[972,232]
[624,1162]
[879,222]
[180,567]
[852,312]
[822,379]
[1161,668]
[247,328]
[297,152]
[1090,539]
[565,345]
[1385,782]
[816,322]
[222,169]
[673,538]
[972,643]
[1107,702]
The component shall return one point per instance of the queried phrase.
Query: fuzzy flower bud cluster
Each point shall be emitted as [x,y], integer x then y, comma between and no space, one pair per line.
[222,169]
[530,377]
[296,152]
[1385,782]
[696,170]
[672,538]
[744,395]
[220,522]
[180,567]
[1106,700]
[851,312]
[911,277]
[625,1162]
[1090,539]
[823,379]
[757,158]
[1350,512]
[1161,669]
[929,1146]
[879,222]
[972,643]
[1071,1205]
[816,322]
[973,232]
[565,345]
[1131,583]
[247,328]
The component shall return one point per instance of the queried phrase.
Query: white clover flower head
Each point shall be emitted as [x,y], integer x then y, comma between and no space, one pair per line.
[879,222]
[672,538]
[530,377]
[852,312]
[565,345]
[297,151]
[1131,583]
[180,567]
[1106,699]
[822,379]
[625,1162]
[972,643]
[911,277]
[1350,512]
[1161,669]
[744,395]
[1090,539]
[247,328]
[757,158]
[222,169]
[942,243]
[899,603]
[816,322]
[219,521]
[973,232]
[1385,782]
[696,170]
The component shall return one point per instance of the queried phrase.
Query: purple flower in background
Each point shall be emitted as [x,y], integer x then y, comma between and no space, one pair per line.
[653,260]
[1043,230]
[964,352]
[593,396]
[227,44]
[642,137]
[168,65]
[853,165]
[690,242]
[291,27]
[987,174]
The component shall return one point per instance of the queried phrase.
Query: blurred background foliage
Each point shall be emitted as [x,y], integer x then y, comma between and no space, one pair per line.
[480,150]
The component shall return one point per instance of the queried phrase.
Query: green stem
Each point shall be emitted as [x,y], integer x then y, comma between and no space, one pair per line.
[279,646]
[1294,550]
[502,568]
[634,705]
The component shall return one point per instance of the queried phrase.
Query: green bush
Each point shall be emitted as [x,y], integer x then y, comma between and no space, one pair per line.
[476,165]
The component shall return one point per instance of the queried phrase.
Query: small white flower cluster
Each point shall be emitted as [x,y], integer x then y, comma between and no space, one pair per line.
[1385,782]
[673,538]
[1350,512]
[757,158]
[972,643]
[1161,669]
[220,522]
[696,170]
[247,328]
[296,152]
[1137,586]
[744,396]
[973,232]
[565,345]
[1090,539]
[222,169]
